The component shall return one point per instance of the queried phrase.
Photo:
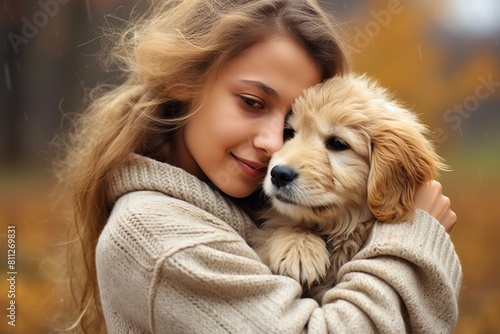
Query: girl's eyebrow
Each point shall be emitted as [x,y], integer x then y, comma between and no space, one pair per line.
[262,86]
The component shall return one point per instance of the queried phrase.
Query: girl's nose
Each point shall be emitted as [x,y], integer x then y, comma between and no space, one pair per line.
[270,138]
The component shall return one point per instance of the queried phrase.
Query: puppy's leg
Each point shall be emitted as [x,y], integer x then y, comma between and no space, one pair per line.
[343,250]
[294,252]
[345,247]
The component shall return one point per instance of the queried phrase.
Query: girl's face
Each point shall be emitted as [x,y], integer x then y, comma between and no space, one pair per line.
[230,139]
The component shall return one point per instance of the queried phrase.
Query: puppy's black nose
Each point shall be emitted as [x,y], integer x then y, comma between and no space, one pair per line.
[282,175]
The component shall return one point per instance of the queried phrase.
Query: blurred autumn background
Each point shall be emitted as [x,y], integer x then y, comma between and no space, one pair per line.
[441,57]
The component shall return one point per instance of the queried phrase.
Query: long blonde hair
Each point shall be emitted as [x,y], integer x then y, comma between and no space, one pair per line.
[166,57]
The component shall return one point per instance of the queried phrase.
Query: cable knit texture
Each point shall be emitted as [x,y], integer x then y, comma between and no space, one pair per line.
[172,258]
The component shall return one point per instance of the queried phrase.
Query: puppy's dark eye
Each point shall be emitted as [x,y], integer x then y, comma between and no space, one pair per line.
[336,144]
[288,133]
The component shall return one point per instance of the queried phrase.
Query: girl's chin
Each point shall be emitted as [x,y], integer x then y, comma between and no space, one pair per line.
[233,190]
[237,186]
[238,193]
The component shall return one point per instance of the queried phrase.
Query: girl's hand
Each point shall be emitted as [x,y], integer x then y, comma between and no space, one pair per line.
[429,197]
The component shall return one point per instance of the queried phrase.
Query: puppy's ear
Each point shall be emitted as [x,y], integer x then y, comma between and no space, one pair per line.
[401,160]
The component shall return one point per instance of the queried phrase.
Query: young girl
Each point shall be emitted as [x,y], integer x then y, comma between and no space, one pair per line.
[159,162]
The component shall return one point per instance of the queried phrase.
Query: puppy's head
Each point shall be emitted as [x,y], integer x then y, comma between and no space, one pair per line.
[355,154]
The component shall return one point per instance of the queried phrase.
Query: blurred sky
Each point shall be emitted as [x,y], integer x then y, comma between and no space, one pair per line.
[474,18]
[442,58]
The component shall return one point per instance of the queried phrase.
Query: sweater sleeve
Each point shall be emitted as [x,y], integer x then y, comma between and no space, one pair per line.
[407,277]
[204,278]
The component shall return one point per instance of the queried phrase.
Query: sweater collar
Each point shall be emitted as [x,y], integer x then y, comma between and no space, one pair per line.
[143,173]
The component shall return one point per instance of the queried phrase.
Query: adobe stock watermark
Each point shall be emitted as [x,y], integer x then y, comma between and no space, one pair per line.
[30,28]
[455,115]
[11,275]
[381,19]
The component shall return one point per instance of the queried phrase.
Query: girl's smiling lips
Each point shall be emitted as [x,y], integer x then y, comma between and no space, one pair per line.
[253,169]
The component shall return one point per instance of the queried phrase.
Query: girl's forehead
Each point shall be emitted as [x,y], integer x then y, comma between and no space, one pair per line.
[277,62]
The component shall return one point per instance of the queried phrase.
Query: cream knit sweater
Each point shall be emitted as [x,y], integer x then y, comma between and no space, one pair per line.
[173,259]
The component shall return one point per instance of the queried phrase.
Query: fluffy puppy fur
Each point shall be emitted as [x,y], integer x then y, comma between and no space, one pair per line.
[356,156]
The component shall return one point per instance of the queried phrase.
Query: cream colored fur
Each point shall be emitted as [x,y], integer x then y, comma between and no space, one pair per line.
[321,219]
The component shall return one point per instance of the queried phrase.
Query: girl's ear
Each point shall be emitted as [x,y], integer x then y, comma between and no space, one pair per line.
[402,159]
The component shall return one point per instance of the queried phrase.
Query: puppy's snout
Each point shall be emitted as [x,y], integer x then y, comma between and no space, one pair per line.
[282,175]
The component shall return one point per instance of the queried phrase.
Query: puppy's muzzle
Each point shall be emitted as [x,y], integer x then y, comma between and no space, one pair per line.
[282,176]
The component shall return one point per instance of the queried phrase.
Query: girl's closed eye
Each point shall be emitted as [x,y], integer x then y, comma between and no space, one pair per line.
[251,102]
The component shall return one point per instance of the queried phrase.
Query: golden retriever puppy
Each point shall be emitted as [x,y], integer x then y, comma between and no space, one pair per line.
[356,156]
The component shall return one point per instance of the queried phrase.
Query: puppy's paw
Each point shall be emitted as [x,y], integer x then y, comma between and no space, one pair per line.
[298,254]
